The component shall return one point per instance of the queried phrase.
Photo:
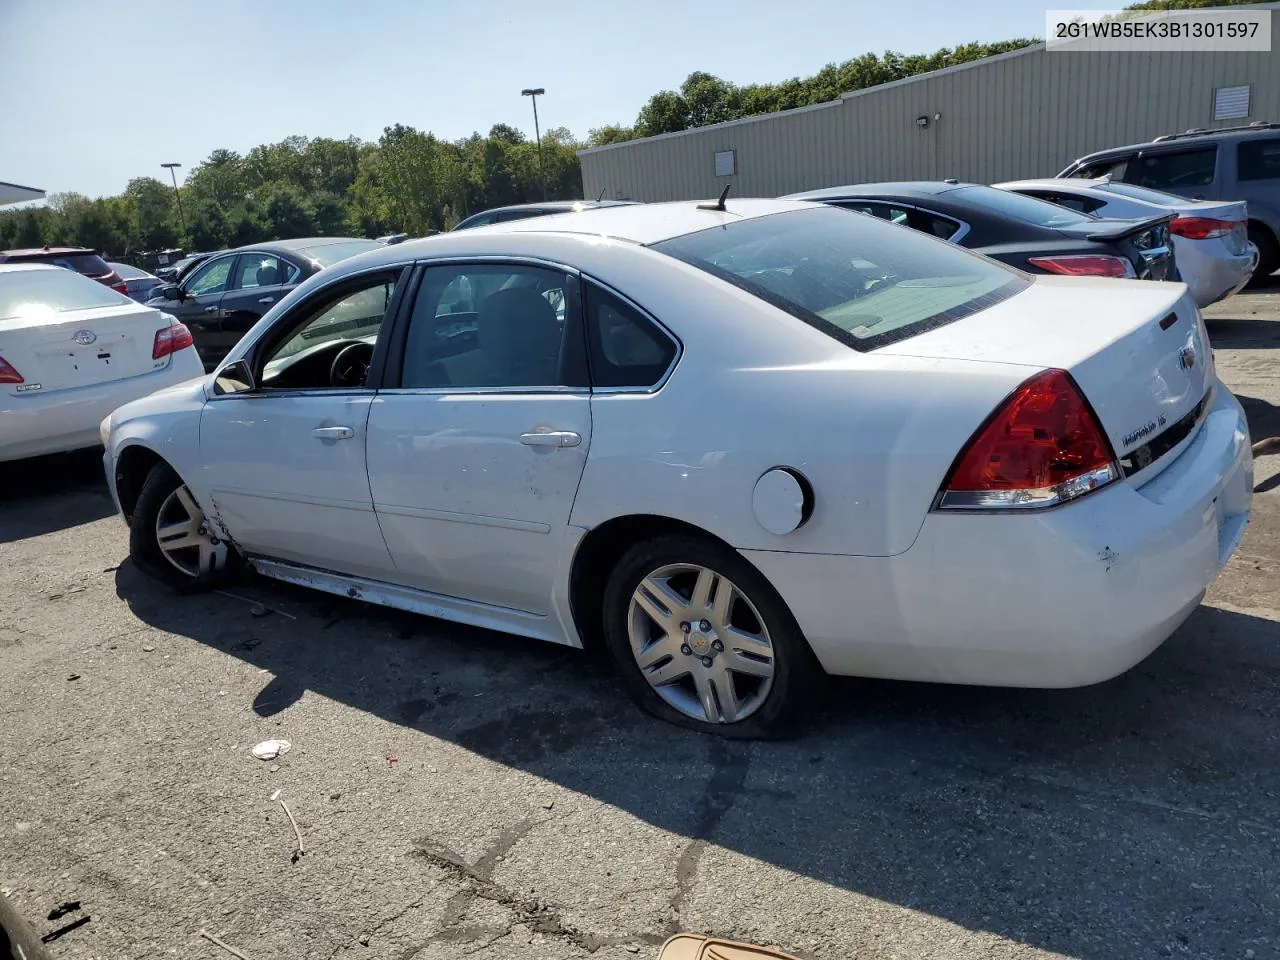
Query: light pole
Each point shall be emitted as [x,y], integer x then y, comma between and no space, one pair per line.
[171,167]
[534,93]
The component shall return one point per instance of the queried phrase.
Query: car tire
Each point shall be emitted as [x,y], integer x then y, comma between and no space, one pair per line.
[190,557]
[1268,253]
[17,939]
[688,663]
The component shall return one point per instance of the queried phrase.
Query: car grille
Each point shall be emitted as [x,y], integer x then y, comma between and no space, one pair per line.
[1142,457]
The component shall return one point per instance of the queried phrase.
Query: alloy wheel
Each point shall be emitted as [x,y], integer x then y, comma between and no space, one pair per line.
[184,536]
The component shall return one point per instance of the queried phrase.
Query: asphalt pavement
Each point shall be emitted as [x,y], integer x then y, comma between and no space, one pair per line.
[458,792]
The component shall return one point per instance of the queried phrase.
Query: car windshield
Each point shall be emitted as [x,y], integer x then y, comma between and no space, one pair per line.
[127,272]
[330,253]
[32,293]
[861,280]
[1039,213]
[1146,194]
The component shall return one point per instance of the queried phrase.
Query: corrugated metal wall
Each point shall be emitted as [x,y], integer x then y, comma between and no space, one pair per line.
[1026,114]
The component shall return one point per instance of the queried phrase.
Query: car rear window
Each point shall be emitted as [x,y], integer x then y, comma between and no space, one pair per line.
[30,293]
[860,280]
[90,264]
[1039,213]
[1145,194]
[329,253]
[127,272]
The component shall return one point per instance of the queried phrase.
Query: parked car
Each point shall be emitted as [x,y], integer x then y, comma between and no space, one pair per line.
[138,283]
[766,439]
[1232,163]
[71,351]
[522,211]
[1210,239]
[228,292]
[180,268]
[80,259]
[1032,235]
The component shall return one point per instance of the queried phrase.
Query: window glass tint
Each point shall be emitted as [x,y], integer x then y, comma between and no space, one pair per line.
[860,281]
[491,325]
[1184,168]
[352,318]
[261,270]
[627,350]
[884,211]
[90,264]
[1014,205]
[1068,200]
[212,277]
[127,272]
[933,224]
[1258,160]
[328,253]
[1115,167]
[33,293]
[1145,194]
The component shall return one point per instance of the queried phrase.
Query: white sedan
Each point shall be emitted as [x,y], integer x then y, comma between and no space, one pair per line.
[1210,239]
[738,446]
[71,351]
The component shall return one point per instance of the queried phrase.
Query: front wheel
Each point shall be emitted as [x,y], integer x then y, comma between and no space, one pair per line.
[702,640]
[170,538]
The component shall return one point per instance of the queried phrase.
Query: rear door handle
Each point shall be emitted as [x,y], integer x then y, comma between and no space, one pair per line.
[333,433]
[266,299]
[551,438]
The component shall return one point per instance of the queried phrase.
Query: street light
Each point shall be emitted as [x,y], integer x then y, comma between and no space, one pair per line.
[534,93]
[171,167]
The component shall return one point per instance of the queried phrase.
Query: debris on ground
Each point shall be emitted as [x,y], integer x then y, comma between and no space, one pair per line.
[270,749]
[296,832]
[224,945]
[258,610]
[275,796]
[73,676]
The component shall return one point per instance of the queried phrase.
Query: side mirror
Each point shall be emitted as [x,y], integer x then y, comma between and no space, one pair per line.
[234,378]
[172,292]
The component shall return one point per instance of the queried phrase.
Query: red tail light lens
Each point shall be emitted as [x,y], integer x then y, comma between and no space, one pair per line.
[171,339]
[121,287]
[1200,228]
[1043,446]
[8,374]
[1085,265]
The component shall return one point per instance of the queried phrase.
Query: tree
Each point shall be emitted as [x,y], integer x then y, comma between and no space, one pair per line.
[287,214]
[610,133]
[150,211]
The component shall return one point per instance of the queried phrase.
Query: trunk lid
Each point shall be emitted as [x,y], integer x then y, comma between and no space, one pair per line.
[1235,212]
[80,348]
[1146,241]
[1138,350]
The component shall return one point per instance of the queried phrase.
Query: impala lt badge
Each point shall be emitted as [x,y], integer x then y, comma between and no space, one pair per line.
[84,337]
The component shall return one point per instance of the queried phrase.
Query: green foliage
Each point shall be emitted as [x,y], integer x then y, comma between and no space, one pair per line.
[1189,4]
[410,180]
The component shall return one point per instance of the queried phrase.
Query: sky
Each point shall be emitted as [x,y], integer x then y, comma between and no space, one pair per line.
[98,93]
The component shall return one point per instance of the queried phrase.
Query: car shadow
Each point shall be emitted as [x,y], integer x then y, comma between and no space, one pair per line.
[44,494]
[1131,819]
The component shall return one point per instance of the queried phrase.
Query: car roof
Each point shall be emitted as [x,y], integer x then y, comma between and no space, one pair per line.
[558,205]
[907,188]
[19,267]
[48,251]
[1192,137]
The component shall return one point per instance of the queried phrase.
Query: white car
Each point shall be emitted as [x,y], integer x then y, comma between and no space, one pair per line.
[1210,239]
[739,445]
[71,351]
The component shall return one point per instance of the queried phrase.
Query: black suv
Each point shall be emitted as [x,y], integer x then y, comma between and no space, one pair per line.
[1232,163]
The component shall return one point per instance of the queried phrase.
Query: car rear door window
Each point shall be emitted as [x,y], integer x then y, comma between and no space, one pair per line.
[1258,159]
[261,270]
[1173,169]
[627,350]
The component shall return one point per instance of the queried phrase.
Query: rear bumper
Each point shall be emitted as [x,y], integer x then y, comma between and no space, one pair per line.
[1212,272]
[33,424]
[1060,598]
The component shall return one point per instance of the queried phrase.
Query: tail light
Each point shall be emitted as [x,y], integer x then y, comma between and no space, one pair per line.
[1085,265]
[8,374]
[1043,446]
[171,339]
[1200,228]
[120,287]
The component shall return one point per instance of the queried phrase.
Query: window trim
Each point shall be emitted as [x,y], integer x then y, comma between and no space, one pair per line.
[394,359]
[646,315]
[287,321]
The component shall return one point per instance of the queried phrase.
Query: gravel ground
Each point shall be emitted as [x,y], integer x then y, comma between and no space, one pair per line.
[461,792]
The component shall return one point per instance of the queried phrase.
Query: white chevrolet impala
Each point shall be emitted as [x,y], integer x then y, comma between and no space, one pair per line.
[738,445]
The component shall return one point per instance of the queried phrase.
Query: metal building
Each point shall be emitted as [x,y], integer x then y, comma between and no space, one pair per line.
[1022,114]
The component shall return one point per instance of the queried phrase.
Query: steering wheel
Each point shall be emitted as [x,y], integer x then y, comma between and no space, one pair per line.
[350,365]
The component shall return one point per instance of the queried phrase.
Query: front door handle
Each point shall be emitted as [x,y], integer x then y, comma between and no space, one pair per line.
[333,433]
[551,438]
[266,299]
[210,309]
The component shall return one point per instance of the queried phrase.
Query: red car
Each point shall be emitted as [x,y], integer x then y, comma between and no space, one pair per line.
[80,259]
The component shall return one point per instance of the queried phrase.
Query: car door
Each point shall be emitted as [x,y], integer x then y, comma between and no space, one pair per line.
[258,280]
[1191,171]
[283,441]
[478,441]
[201,305]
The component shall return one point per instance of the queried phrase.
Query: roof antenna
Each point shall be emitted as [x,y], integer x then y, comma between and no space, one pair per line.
[601,197]
[716,204]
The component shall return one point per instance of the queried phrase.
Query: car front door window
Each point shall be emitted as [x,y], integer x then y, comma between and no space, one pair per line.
[211,278]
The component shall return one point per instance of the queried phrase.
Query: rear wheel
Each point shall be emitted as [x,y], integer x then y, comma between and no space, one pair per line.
[1268,253]
[170,538]
[702,640]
